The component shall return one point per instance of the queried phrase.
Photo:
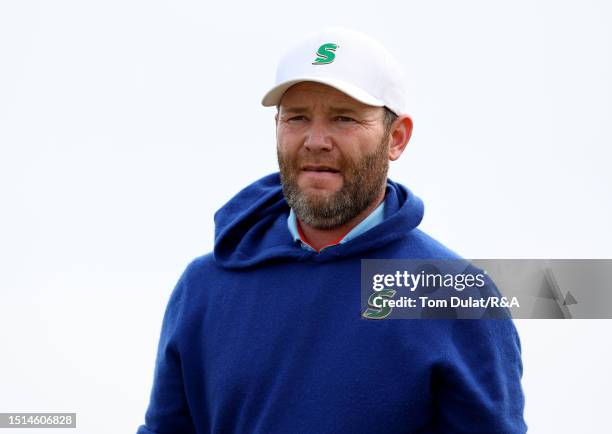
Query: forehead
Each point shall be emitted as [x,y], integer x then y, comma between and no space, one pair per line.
[317,95]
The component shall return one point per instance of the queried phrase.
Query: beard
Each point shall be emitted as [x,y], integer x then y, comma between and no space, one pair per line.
[363,181]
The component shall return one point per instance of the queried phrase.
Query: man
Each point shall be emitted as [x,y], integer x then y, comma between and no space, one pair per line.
[264,334]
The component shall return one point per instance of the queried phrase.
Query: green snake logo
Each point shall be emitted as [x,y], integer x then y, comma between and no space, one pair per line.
[325,54]
[377,310]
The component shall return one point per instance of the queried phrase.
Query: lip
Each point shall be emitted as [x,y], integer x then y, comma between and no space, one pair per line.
[319,168]
[320,177]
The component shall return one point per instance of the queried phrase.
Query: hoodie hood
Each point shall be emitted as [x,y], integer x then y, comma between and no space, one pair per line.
[251,227]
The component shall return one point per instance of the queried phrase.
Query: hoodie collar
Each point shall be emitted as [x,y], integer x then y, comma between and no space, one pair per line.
[374,218]
[251,228]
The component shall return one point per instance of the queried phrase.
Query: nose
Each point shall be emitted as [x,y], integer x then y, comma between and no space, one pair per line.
[318,137]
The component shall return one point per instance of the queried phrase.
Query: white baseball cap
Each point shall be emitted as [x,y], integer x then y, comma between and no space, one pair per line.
[347,60]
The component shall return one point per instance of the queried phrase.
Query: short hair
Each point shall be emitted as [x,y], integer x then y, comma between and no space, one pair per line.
[388,118]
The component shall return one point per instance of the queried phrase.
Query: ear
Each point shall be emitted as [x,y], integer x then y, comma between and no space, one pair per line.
[401,130]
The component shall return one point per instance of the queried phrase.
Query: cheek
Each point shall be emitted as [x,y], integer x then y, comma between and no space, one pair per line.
[286,140]
[286,155]
[369,145]
[352,152]
[285,150]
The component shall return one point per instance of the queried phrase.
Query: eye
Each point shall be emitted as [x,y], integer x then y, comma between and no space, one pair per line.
[344,119]
[296,118]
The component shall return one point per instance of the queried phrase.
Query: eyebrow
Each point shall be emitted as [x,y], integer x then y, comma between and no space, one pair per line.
[335,110]
[344,110]
[295,110]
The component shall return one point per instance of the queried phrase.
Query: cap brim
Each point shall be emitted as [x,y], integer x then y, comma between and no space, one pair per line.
[274,95]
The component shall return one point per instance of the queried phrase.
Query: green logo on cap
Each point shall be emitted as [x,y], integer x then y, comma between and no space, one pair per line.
[325,54]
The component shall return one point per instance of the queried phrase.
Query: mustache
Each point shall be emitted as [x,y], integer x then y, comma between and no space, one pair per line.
[300,162]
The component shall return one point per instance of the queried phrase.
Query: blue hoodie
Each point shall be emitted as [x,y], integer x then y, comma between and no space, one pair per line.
[263,336]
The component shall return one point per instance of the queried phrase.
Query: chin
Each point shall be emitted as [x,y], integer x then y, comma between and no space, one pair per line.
[314,192]
[320,184]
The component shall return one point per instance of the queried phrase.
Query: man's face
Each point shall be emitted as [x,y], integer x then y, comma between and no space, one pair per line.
[332,154]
